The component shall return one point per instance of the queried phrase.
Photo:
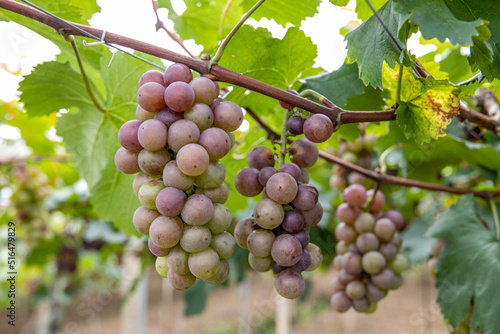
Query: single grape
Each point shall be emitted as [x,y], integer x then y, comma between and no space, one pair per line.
[313,217]
[374,293]
[139,180]
[142,219]
[281,188]
[345,233]
[228,116]
[201,115]
[170,201]
[161,266]
[293,221]
[302,236]
[221,219]
[378,202]
[289,284]
[336,285]
[355,195]
[340,302]
[205,90]
[286,250]
[213,177]
[337,182]
[364,223]
[153,162]
[318,128]
[388,250]
[216,195]
[303,263]
[306,198]
[143,115]
[265,173]
[192,159]
[261,157]
[341,247]
[157,251]
[242,231]
[204,264]
[198,210]
[396,218]
[398,264]
[220,275]
[179,96]
[277,268]
[398,281]
[384,229]
[355,289]
[384,279]
[168,116]
[127,136]
[166,232]
[345,278]
[195,238]
[126,161]
[148,191]
[268,214]
[361,305]
[373,262]
[152,135]
[151,76]
[223,244]
[367,242]
[260,264]
[181,133]
[174,177]
[180,282]
[177,72]
[397,240]
[292,169]
[216,141]
[177,260]
[351,262]
[295,125]
[347,213]
[150,96]
[259,242]
[247,182]
[303,152]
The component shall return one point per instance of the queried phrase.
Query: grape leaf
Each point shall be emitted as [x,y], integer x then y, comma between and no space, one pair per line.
[341,3]
[338,85]
[370,45]
[468,267]
[364,11]
[53,86]
[113,198]
[202,19]
[428,106]
[283,11]
[436,20]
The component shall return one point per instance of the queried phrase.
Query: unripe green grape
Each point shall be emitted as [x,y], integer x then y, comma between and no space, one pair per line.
[201,115]
[268,214]
[195,238]
[213,177]
[399,264]
[373,262]
[174,177]
[316,256]
[148,192]
[260,264]
[260,242]
[139,180]
[161,266]
[221,219]
[223,244]
[153,162]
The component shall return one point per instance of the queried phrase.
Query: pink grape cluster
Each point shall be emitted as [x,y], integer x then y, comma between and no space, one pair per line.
[278,234]
[368,258]
[182,131]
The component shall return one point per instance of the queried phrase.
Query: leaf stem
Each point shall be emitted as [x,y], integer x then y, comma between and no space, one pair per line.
[71,39]
[384,155]
[222,47]
[398,88]
[317,96]
[495,216]
[223,17]
[283,140]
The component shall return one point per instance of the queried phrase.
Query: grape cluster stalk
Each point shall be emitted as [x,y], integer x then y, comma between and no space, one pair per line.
[175,145]
[277,236]
[368,259]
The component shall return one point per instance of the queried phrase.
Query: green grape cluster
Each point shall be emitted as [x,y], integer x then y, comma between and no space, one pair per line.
[182,131]
[359,152]
[368,259]
[277,235]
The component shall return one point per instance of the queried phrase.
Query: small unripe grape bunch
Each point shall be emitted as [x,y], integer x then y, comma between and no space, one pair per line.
[359,152]
[368,242]
[277,236]
[175,145]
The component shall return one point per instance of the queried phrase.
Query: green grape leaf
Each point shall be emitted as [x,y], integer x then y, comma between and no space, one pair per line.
[202,20]
[338,85]
[364,11]
[283,11]
[278,62]
[428,107]
[87,7]
[481,53]
[53,86]
[468,267]
[370,45]
[341,3]
[436,20]
[113,199]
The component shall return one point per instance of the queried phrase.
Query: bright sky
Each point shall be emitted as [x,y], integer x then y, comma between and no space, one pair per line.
[21,49]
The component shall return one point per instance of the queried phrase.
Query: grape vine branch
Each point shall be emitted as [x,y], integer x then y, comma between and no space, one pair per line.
[219,73]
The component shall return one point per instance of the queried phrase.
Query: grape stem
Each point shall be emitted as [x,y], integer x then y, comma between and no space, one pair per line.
[219,73]
[386,179]
[318,96]
[283,139]
[71,39]
[495,216]
[398,88]
[222,46]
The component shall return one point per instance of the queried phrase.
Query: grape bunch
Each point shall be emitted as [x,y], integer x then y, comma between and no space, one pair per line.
[278,234]
[367,251]
[182,131]
[359,152]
